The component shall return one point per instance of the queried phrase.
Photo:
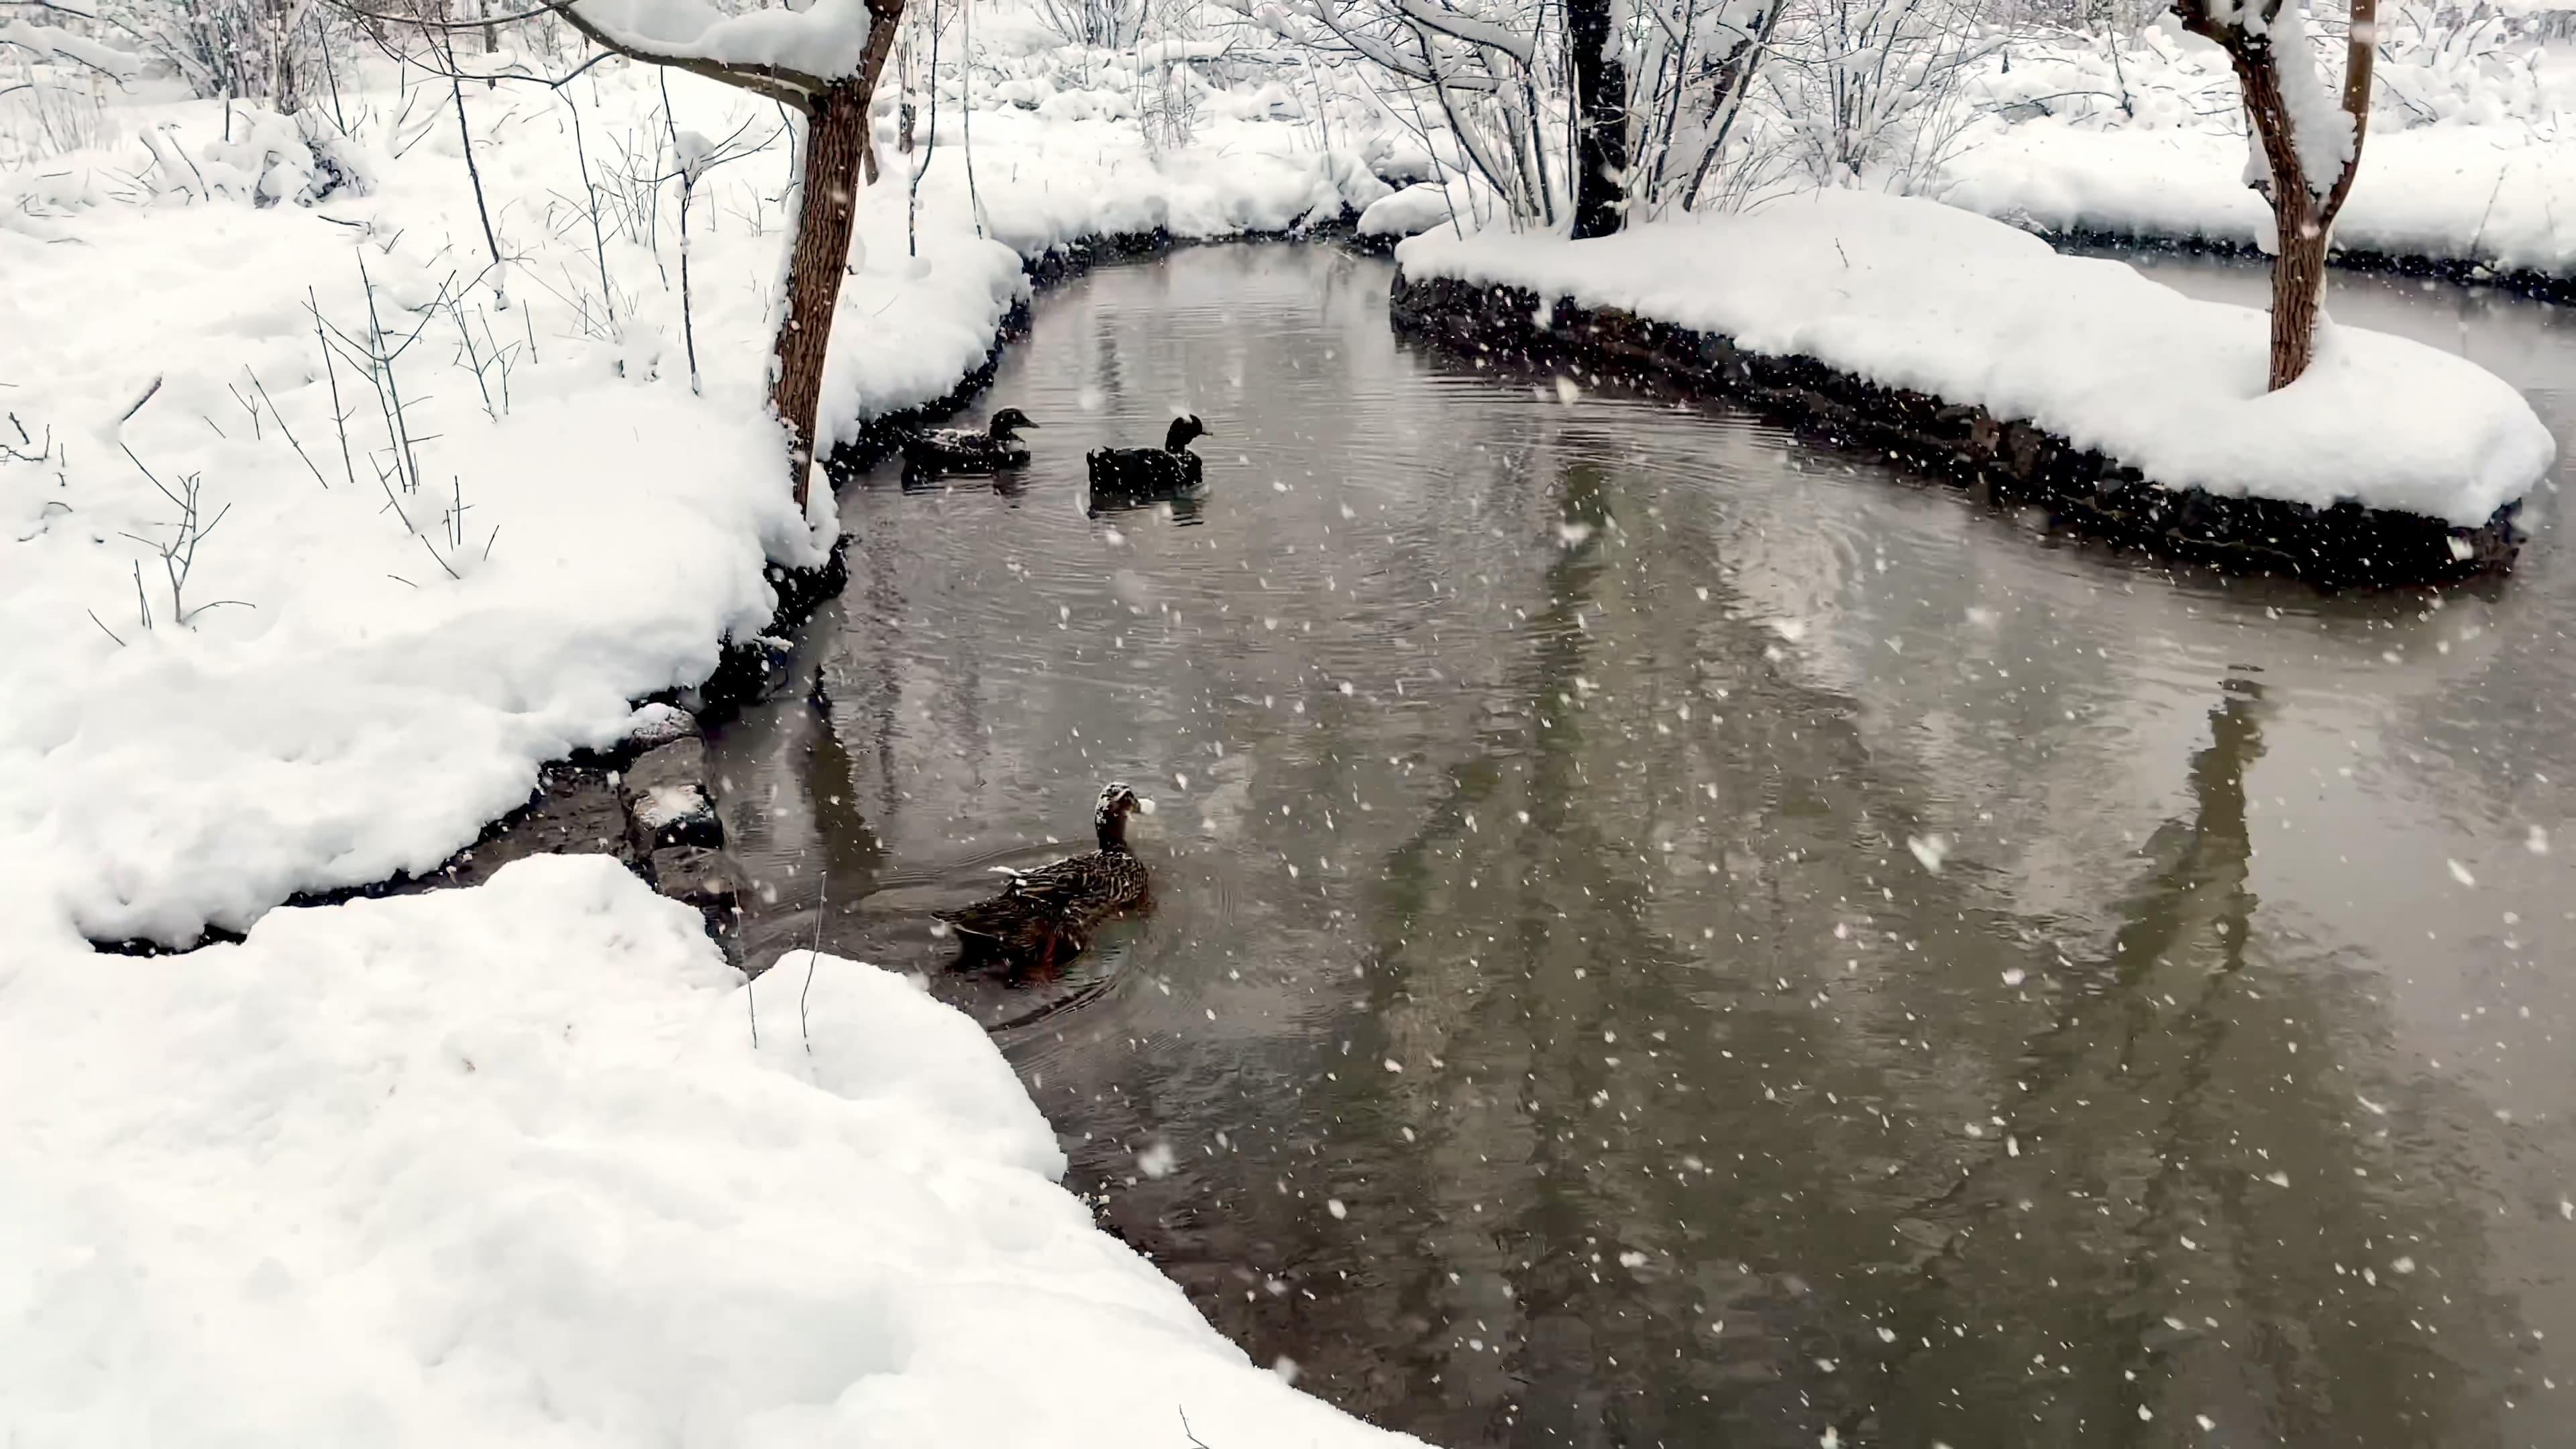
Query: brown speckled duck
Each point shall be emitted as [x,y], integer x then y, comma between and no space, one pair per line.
[1045,916]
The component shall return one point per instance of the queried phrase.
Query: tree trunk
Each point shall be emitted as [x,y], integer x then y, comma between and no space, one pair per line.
[2299,218]
[2298,286]
[1601,120]
[836,138]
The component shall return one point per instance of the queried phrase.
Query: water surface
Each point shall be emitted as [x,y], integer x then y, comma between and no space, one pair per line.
[1669,935]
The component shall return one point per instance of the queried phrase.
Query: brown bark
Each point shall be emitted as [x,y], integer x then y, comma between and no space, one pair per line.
[2302,220]
[836,135]
[2299,221]
[840,149]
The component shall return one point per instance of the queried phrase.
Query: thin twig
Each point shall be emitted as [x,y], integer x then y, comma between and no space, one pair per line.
[290,432]
[128,414]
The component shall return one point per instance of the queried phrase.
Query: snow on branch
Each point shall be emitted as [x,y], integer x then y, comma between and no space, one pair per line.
[56,44]
[788,55]
[1469,29]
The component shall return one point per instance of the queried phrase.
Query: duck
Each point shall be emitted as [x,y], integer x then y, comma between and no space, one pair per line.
[963,450]
[1150,472]
[1045,916]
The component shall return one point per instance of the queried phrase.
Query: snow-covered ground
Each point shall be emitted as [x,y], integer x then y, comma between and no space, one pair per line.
[1913,294]
[503,1166]
[2468,157]
[498,1165]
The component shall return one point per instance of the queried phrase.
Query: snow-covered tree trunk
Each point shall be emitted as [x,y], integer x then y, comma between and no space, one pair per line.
[2309,147]
[824,60]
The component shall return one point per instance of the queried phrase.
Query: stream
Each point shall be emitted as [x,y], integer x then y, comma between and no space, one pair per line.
[1670,935]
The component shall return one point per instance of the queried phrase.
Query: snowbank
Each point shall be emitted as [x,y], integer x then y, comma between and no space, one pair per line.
[1912,294]
[2467,160]
[2502,197]
[502,1166]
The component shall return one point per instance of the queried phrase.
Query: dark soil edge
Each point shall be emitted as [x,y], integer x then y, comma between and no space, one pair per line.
[2008,462]
[2532,282]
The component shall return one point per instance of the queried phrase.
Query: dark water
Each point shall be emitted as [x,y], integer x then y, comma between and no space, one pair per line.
[1670,936]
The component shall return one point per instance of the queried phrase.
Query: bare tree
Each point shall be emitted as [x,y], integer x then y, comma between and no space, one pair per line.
[836,157]
[2309,146]
[821,66]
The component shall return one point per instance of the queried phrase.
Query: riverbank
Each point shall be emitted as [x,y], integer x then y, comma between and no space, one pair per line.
[327,534]
[2464,176]
[1976,351]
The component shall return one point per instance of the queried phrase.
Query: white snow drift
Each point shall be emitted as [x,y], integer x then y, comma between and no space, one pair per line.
[1912,294]
[503,1166]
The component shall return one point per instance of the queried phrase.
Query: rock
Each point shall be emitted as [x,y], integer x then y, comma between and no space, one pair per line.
[653,725]
[665,793]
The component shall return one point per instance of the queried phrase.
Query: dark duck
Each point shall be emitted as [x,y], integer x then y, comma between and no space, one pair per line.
[1045,916]
[934,451]
[1149,472]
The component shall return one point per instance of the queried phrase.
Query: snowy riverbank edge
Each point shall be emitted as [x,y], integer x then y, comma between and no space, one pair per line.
[2001,346]
[2477,205]
[530,1163]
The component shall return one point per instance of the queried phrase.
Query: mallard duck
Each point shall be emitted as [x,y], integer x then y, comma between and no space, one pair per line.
[963,450]
[1149,472]
[1045,915]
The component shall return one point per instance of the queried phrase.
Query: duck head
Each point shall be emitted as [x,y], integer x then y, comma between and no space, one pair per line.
[1183,430]
[1110,820]
[1009,421]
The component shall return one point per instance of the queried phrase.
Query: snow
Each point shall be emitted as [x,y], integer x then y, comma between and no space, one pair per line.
[504,1166]
[1912,294]
[55,43]
[2320,131]
[2466,158]
[826,40]
[1417,208]
[2506,200]
[498,1165]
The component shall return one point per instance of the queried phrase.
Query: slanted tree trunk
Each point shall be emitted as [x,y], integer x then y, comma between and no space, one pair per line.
[2302,217]
[839,156]
[836,138]
[1601,120]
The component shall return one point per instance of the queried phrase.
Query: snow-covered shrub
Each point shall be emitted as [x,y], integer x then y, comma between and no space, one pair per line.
[1871,92]
[1691,65]
[265,158]
[258,50]
[1095,24]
